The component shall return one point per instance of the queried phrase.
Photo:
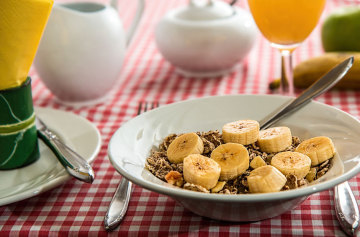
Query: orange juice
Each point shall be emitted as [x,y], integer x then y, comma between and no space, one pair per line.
[286,22]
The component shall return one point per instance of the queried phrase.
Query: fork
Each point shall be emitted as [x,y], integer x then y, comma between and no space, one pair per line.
[120,201]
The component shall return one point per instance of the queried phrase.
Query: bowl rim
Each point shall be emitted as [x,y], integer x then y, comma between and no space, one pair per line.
[182,193]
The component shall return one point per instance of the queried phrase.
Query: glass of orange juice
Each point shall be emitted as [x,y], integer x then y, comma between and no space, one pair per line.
[286,23]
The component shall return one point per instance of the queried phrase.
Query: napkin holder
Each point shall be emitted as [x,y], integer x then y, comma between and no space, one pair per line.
[18,134]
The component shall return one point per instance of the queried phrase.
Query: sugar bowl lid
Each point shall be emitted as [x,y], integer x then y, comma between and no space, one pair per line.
[205,10]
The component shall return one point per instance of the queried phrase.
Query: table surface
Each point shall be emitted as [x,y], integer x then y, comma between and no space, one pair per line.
[75,208]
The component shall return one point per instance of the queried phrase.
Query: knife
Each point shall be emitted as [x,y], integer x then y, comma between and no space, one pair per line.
[74,164]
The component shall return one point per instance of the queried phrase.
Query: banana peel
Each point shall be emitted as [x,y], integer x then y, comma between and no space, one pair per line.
[309,71]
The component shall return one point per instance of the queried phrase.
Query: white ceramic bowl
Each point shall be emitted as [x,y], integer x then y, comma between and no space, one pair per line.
[130,146]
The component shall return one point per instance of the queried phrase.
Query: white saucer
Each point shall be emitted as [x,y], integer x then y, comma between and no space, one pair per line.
[47,172]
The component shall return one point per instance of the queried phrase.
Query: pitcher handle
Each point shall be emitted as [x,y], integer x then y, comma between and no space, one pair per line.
[138,14]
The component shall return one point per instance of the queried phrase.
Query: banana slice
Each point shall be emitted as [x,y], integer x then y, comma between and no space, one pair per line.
[200,170]
[311,175]
[275,139]
[218,187]
[244,132]
[257,162]
[266,179]
[233,159]
[294,163]
[184,145]
[319,149]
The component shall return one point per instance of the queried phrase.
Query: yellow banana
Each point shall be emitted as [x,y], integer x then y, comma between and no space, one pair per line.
[233,159]
[266,179]
[257,162]
[244,132]
[184,145]
[319,149]
[202,171]
[311,175]
[308,71]
[294,163]
[274,139]
[218,187]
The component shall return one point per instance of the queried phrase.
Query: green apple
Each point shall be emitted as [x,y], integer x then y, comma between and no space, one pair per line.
[341,30]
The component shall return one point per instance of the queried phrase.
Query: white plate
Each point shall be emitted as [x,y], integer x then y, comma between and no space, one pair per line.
[47,172]
[130,146]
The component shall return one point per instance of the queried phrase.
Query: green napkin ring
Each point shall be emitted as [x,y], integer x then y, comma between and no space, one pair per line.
[18,135]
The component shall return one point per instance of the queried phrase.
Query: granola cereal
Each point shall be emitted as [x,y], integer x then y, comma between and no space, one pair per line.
[174,178]
[159,165]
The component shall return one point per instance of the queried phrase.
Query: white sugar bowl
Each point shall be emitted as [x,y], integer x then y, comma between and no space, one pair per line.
[205,38]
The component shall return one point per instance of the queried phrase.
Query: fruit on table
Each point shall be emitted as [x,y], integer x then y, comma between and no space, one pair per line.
[244,132]
[233,159]
[22,23]
[202,171]
[309,71]
[184,145]
[274,139]
[266,179]
[319,149]
[341,30]
[294,163]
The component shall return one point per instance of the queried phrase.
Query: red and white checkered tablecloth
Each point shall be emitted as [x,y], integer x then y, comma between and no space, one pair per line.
[75,208]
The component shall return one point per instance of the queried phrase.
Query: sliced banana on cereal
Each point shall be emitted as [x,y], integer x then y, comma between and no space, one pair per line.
[244,132]
[274,139]
[184,145]
[218,187]
[201,170]
[257,162]
[266,179]
[233,159]
[319,149]
[294,163]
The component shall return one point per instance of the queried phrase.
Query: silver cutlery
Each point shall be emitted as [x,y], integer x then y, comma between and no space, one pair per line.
[346,208]
[74,164]
[120,201]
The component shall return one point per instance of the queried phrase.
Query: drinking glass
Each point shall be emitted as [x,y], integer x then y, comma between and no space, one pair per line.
[286,23]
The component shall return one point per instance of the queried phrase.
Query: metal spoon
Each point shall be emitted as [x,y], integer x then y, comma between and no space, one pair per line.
[346,208]
[319,87]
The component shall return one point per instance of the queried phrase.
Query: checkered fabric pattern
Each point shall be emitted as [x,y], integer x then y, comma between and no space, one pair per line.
[75,208]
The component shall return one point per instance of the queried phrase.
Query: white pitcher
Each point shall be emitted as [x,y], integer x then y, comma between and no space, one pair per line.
[82,49]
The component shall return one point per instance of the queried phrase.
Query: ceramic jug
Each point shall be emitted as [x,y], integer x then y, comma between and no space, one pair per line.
[81,53]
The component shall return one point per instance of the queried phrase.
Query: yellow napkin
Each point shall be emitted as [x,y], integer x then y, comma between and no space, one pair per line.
[22,23]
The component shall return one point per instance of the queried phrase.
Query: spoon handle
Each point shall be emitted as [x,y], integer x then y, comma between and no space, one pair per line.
[346,208]
[119,205]
[319,87]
